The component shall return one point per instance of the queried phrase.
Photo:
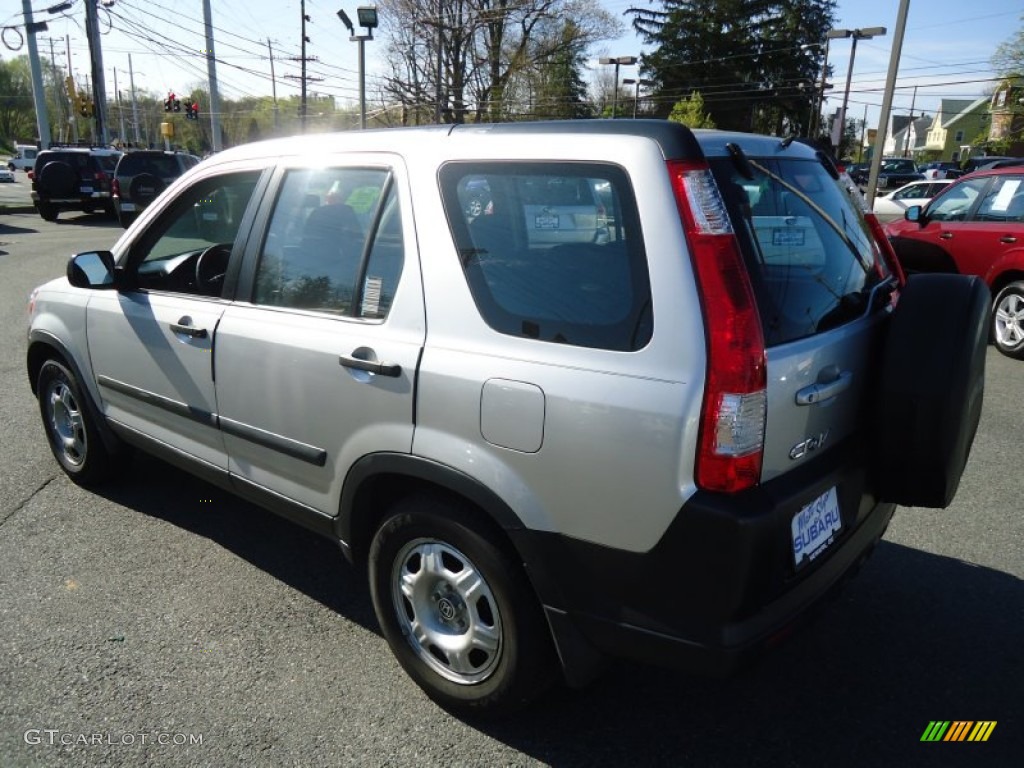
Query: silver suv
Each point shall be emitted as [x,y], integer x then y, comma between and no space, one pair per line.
[659,424]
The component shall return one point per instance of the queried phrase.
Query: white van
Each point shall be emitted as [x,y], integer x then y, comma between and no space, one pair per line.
[24,157]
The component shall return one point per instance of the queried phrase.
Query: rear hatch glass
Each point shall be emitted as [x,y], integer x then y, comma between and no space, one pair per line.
[814,266]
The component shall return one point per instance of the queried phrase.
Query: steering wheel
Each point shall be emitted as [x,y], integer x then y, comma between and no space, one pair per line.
[211,266]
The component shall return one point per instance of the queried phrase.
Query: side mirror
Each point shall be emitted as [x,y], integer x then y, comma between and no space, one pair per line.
[92,269]
[915,213]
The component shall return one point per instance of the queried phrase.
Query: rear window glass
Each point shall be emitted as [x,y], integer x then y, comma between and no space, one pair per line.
[812,258]
[162,166]
[552,251]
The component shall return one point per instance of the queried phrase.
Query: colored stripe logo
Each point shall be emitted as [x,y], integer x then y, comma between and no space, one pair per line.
[958,730]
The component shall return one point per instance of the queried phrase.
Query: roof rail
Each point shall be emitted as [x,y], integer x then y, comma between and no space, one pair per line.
[81,144]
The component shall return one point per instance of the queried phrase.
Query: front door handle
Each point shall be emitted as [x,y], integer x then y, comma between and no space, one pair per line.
[1008,239]
[821,391]
[946,236]
[184,326]
[394,370]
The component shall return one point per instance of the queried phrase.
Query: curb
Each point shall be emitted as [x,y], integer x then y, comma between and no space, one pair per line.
[17,208]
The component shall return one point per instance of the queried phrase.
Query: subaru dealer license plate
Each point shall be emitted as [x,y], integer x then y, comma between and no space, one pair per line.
[86,190]
[127,206]
[545,222]
[815,527]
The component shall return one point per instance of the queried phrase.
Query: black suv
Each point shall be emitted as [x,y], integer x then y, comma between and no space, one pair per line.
[73,179]
[897,171]
[142,175]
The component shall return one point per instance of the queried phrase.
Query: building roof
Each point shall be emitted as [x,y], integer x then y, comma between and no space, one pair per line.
[958,109]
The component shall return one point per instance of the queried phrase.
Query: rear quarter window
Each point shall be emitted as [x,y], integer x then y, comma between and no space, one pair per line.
[552,251]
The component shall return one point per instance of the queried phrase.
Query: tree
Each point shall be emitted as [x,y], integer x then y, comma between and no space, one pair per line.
[484,59]
[557,88]
[755,62]
[690,112]
[1008,59]
[17,113]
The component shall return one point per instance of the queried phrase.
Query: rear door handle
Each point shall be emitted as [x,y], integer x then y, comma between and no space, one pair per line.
[821,391]
[184,326]
[1008,239]
[394,370]
[946,236]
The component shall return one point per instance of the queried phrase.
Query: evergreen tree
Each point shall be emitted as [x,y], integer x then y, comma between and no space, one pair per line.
[690,112]
[755,62]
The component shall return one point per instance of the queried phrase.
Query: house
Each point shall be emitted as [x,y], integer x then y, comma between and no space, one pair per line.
[908,137]
[957,123]
[1006,135]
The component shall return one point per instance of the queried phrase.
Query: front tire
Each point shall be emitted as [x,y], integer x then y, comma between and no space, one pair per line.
[70,429]
[457,609]
[1008,320]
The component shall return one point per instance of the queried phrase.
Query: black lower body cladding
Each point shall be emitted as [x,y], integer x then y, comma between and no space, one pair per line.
[931,389]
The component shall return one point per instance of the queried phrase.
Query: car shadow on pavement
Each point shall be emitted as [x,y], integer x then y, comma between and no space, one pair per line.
[88,220]
[299,558]
[915,638]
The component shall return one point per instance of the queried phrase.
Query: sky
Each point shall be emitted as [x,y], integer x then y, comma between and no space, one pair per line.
[945,53]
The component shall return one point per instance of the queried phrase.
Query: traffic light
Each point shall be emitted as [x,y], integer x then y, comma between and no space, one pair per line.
[171,103]
[192,110]
[177,105]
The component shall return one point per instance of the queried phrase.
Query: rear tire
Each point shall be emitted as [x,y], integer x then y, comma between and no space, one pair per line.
[1008,320]
[457,609]
[47,211]
[931,389]
[73,435]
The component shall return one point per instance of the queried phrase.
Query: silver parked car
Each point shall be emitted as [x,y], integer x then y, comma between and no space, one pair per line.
[650,407]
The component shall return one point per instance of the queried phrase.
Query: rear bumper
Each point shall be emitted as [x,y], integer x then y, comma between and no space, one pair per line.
[718,588]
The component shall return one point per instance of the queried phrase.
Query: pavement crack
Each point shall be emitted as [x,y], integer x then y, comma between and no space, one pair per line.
[25,501]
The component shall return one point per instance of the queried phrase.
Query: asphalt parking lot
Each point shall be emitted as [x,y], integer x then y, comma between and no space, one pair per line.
[161,621]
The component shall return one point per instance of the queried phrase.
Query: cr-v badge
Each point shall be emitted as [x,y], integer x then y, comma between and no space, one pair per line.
[804,447]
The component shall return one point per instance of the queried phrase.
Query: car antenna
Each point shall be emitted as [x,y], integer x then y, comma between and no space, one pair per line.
[788,140]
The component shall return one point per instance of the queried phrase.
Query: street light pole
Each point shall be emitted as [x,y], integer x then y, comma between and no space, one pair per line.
[617,60]
[366,15]
[636,94]
[856,34]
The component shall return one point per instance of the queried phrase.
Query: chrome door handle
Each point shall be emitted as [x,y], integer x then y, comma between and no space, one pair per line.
[819,392]
[1008,239]
[394,370]
[946,236]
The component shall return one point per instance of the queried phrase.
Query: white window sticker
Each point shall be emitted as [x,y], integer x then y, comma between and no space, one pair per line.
[1005,195]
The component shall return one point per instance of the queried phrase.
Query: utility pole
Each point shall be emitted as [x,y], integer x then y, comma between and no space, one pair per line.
[273,83]
[56,85]
[99,90]
[211,71]
[135,104]
[38,94]
[910,125]
[71,78]
[302,102]
[440,49]
[120,108]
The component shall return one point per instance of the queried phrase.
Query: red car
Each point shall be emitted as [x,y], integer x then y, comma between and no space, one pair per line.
[974,227]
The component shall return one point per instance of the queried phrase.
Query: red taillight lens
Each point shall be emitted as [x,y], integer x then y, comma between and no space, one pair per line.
[115,188]
[735,398]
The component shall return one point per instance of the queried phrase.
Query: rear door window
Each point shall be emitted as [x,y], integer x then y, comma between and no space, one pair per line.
[552,251]
[812,258]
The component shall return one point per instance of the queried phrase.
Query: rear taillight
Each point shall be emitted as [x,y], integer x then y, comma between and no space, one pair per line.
[115,187]
[731,441]
[100,176]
